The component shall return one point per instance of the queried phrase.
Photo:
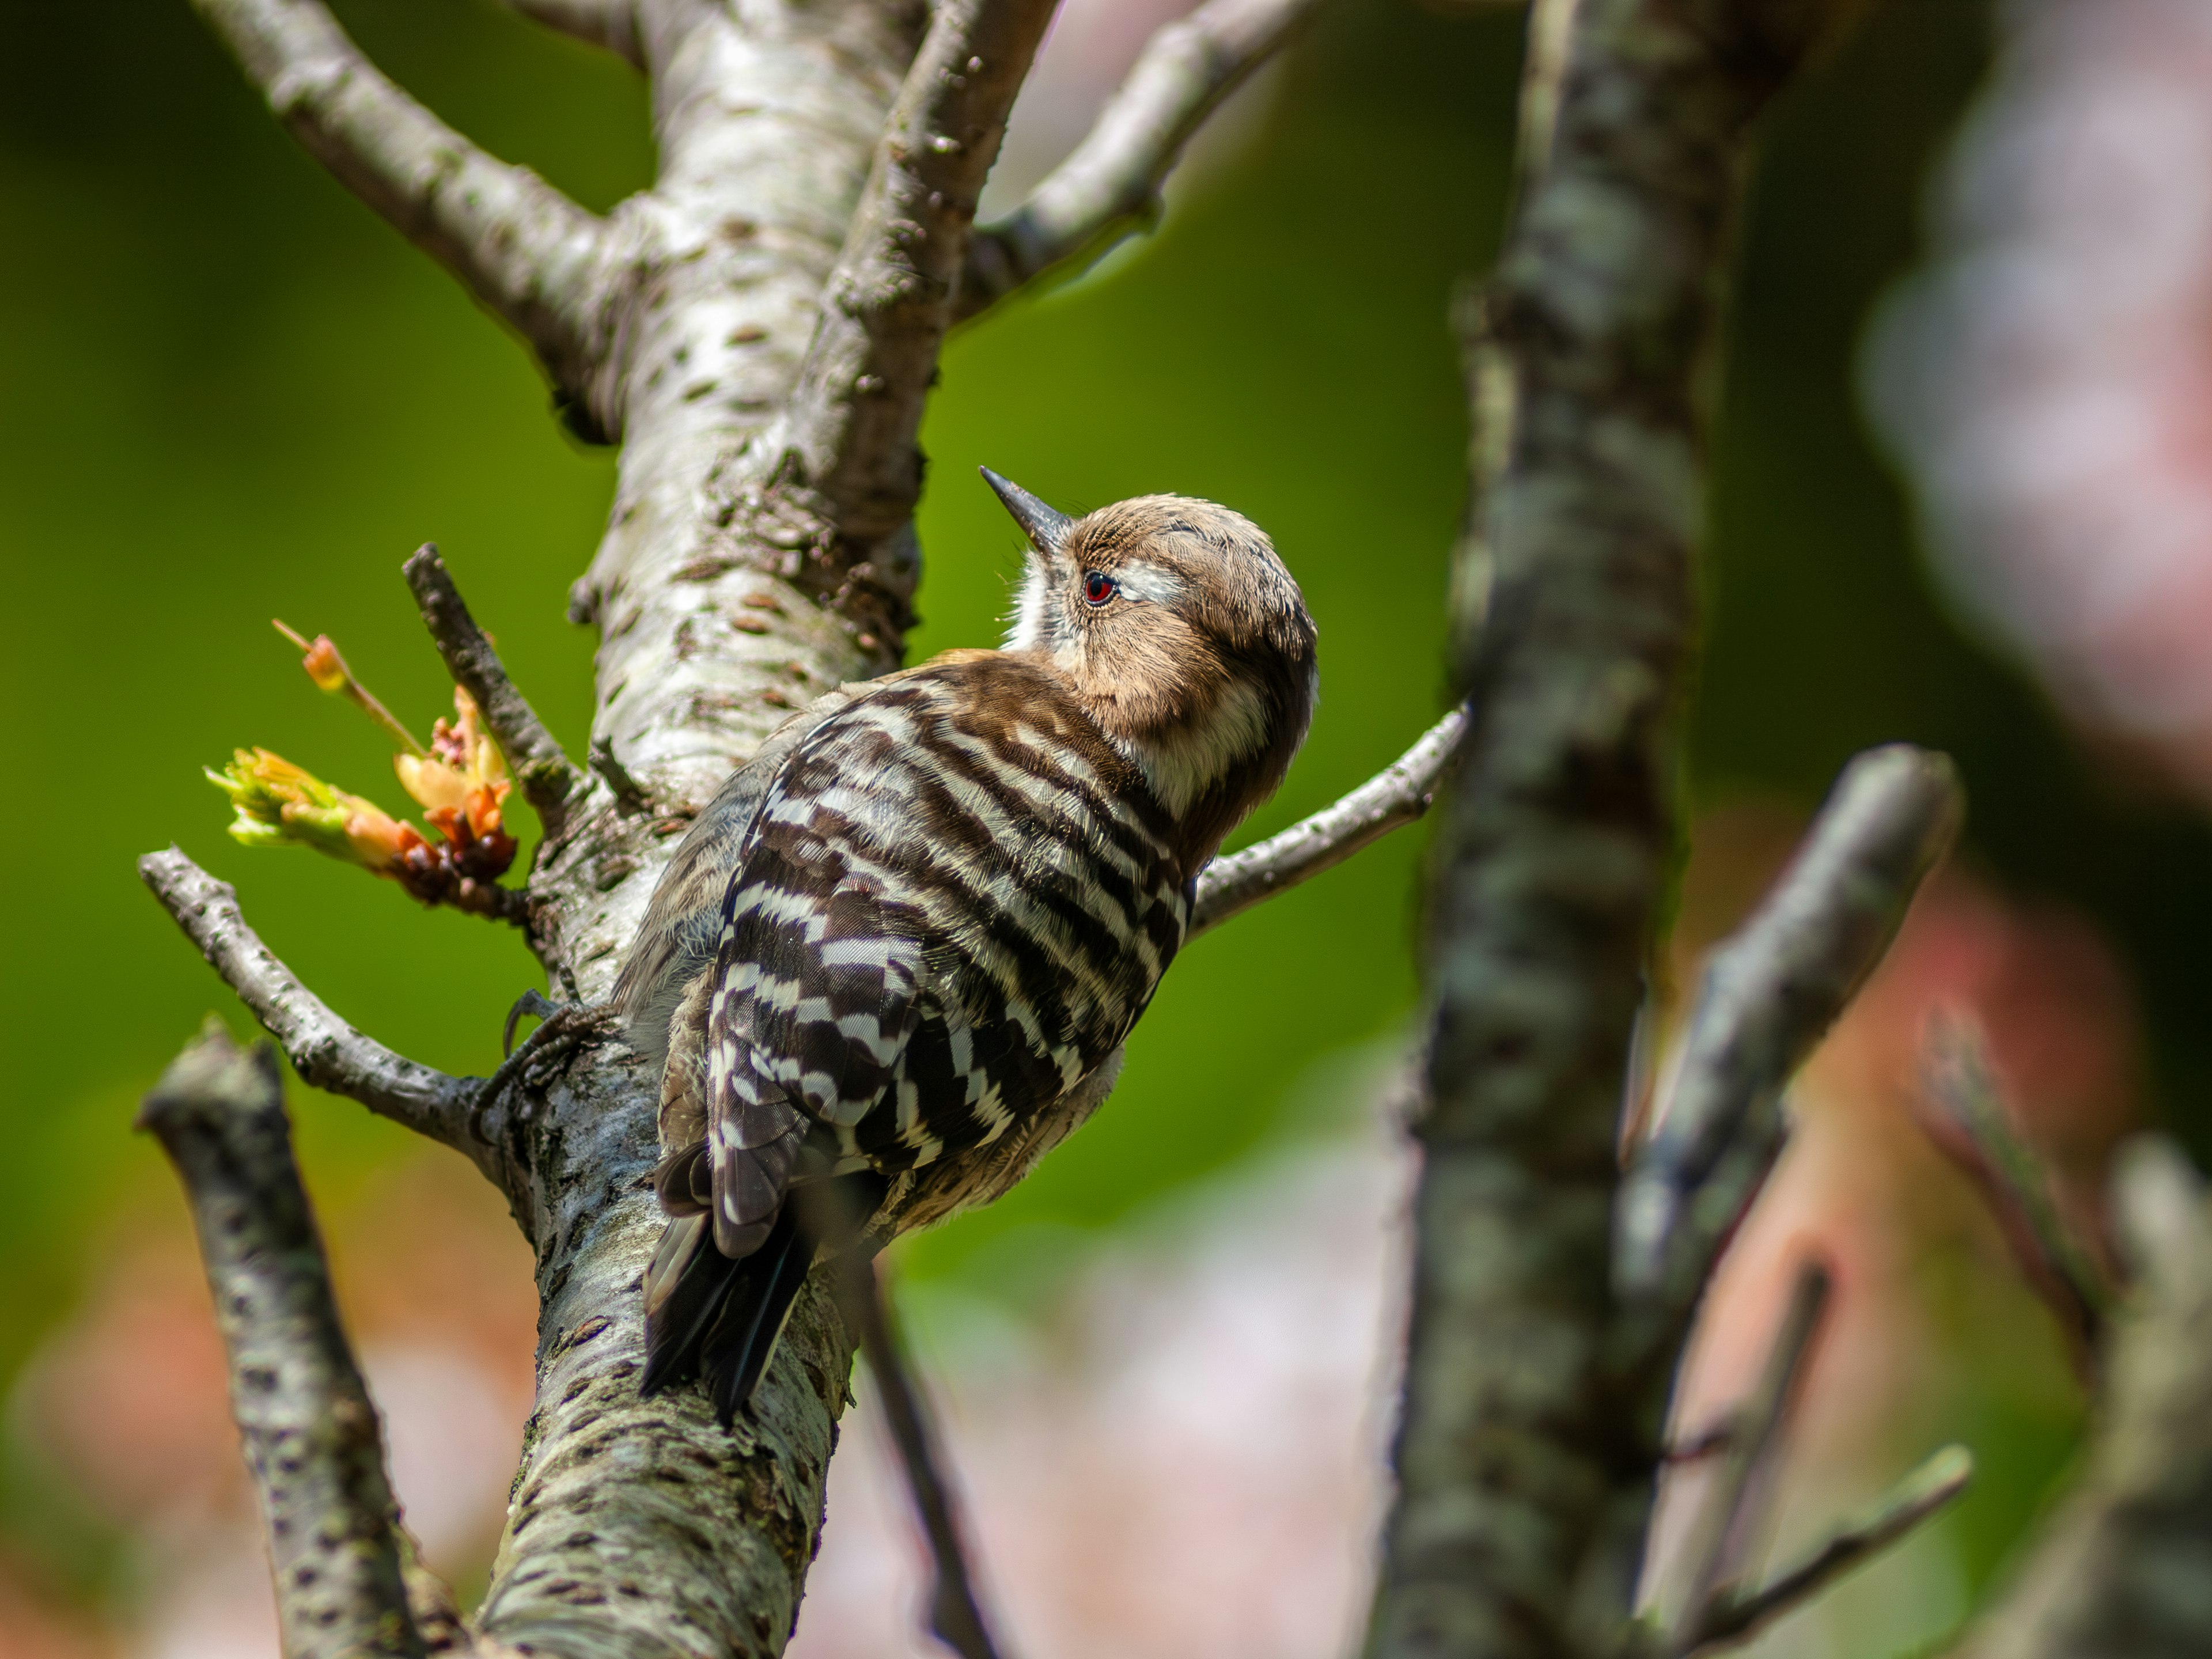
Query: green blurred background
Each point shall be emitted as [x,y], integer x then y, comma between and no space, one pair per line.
[231,393]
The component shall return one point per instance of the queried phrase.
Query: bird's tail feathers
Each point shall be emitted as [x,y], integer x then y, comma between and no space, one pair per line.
[708,1315]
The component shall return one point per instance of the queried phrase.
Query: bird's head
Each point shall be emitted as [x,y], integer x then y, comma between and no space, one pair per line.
[1183,635]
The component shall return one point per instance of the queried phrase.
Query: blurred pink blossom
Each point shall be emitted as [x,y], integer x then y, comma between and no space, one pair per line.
[2049,382]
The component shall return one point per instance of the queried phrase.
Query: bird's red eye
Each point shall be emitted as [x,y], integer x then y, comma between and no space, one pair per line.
[1099,586]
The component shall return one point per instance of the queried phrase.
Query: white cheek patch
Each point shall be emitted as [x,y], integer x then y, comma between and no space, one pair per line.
[1140,578]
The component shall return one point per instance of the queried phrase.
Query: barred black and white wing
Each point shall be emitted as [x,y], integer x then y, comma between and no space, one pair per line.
[953,899]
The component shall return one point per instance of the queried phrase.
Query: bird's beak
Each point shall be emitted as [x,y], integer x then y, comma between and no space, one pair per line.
[1047,527]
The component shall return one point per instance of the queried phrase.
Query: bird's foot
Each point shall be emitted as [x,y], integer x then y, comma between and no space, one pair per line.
[562,1027]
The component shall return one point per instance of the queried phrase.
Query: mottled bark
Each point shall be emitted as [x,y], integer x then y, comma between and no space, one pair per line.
[310,1435]
[1530,1437]
[1767,996]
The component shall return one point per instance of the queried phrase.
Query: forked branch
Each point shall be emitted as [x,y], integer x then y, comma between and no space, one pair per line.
[1108,187]
[1736,1615]
[312,1440]
[856,409]
[324,1050]
[527,252]
[1723,1518]
[1397,795]
[548,778]
[1768,995]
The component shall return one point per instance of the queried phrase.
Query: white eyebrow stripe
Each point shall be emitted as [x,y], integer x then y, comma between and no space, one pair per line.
[1140,578]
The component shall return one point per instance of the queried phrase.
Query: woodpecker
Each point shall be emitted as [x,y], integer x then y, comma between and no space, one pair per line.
[894,961]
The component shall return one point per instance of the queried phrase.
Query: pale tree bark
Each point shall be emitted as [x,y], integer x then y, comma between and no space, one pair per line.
[759,331]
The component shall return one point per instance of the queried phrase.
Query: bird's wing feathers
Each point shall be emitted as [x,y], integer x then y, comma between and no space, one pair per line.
[816,996]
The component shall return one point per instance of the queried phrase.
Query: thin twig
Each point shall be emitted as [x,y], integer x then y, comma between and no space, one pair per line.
[527,252]
[853,416]
[326,1052]
[549,779]
[1108,188]
[1768,995]
[1962,1107]
[1397,795]
[610,24]
[2119,1566]
[312,1440]
[954,1615]
[1723,1517]
[1735,1615]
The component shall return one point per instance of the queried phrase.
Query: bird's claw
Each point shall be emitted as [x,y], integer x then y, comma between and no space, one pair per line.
[533,1003]
[562,1026]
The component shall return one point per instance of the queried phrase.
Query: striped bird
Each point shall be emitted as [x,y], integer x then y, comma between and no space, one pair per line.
[893,963]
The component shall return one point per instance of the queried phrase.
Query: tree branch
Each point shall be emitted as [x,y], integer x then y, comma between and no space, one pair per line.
[311,1441]
[955,1617]
[852,419]
[1108,187]
[549,779]
[1530,1434]
[1769,994]
[610,24]
[1736,1615]
[327,1052]
[1397,795]
[529,254]
[2121,1568]
[1724,1519]
[1965,1114]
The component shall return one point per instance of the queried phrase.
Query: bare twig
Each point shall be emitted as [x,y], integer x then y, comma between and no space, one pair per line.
[1736,1615]
[954,1614]
[1962,1107]
[1397,795]
[310,1437]
[1108,187]
[853,415]
[2122,1567]
[527,252]
[1723,1518]
[611,24]
[326,1052]
[1768,995]
[550,779]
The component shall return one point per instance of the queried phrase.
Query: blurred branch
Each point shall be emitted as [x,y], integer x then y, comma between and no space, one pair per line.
[852,418]
[1964,1111]
[527,252]
[1529,1443]
[954,1615]
[549,779]
[1397,795]
[1736,1615]
[2122,1568]
[1110,187]
[1724,1518]
[610,24]
[312,1440]
[327,1052]
[1768,995]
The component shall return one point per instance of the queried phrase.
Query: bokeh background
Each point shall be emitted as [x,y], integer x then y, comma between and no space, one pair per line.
[1960,498]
